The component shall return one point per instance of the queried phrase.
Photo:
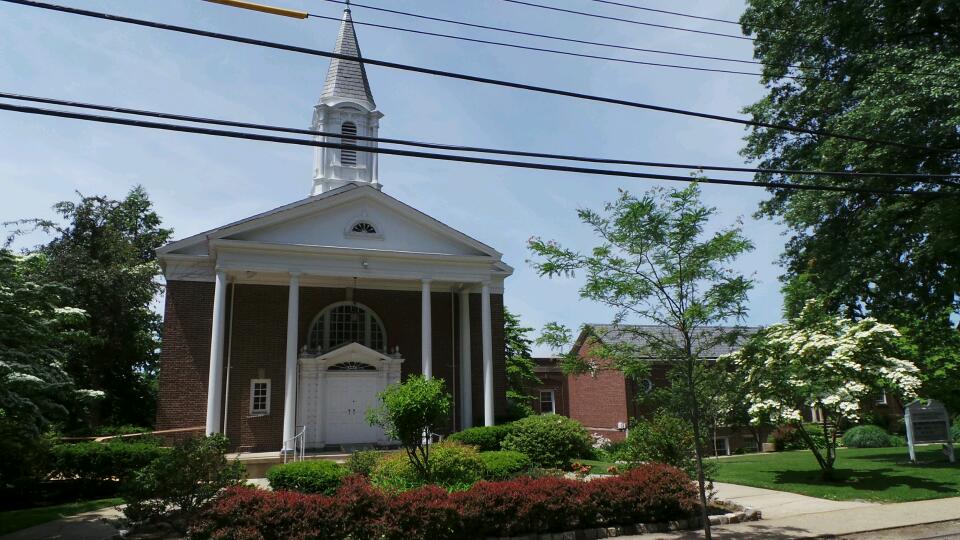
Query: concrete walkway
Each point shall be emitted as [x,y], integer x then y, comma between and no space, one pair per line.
[780,504]
[86,526]
[788,515]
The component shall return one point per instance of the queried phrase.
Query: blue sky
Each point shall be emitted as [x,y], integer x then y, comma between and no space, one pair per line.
[199,182]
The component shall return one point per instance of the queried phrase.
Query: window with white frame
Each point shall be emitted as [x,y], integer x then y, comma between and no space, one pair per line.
[882,398]
[720,446]
[259,397]
[344,323]
[547,404]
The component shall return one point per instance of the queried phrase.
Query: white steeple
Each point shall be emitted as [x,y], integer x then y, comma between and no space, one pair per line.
[347,107]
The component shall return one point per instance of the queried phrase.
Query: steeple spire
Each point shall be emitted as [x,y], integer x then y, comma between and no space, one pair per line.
[346,108]
[347,79]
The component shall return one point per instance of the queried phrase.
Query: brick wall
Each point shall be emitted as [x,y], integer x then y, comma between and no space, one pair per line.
[600,400]
[257,349]
[185,356]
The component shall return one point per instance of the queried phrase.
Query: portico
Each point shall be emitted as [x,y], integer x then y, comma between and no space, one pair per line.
[298,316]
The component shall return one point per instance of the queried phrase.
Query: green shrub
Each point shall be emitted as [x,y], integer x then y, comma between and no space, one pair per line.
[788,437]
[866,436]
[664,439]
[315,476]
[485,438]
[103,461]
[452,465]
[410,409]
[549,440]
[362,462]
[504,464]
[955,432]
[181,480]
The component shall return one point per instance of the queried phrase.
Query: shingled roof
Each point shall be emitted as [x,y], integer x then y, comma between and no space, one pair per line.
[347,79]
[634,334]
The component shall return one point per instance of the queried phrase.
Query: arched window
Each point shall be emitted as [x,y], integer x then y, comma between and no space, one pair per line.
[348,132]
[364,227]
[344,323]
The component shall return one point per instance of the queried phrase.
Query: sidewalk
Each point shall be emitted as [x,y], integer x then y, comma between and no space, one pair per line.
[85,526]
[788,515]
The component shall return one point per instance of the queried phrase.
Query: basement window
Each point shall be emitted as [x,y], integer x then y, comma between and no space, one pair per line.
[259,397]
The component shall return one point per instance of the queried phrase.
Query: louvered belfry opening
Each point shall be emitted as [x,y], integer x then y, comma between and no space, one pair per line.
[348,132]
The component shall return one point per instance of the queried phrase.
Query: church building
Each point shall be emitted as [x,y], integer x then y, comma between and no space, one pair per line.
[288,323]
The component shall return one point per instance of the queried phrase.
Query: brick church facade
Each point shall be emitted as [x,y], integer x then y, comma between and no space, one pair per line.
[284,326]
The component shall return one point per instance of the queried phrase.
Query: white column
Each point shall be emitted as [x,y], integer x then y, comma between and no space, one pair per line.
[215,382]
[466,389]
[290,380]
[426,331]
[486,326]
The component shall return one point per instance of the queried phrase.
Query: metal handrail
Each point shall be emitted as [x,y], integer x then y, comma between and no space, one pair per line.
[299,445]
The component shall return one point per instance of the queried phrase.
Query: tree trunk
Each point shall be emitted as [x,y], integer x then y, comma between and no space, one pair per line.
[695,417]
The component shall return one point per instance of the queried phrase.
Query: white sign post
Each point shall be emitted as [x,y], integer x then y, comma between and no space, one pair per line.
[927,423]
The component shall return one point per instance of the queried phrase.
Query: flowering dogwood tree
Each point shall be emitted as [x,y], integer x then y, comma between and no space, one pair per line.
[822,362]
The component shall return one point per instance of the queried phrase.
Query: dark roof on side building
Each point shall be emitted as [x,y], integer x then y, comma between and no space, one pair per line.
[634,334]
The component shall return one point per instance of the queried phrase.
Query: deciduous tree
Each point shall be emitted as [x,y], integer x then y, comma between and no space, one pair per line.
[656,263]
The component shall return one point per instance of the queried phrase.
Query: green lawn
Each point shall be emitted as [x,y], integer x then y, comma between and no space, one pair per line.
[871,474]
[14,520]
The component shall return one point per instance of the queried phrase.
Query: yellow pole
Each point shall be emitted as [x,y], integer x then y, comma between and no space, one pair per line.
[262,8]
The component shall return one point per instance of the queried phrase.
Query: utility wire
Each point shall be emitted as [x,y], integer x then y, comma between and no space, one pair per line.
[631,21]
[535,34]
[465,159]
[471,78]
[924,177]
[700,17]
[585,42]
[542,49]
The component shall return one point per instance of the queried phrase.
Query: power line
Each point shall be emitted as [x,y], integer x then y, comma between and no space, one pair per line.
[464,159]
[535,34]
[467,77]
[667,12]
[594,43]
[942,179]
[631,21]
[542,49]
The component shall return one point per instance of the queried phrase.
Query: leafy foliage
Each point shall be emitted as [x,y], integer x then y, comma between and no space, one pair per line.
[520,366]
[313,476]
[504,464]
[655,263]
[662,439]
[104,254]
[452,466]
[182,480]
[867,437]
[654,493]
[884,69]
[103,461]
[409,412]
[37,329]
[825,362]
[485,438]
[789,437]
[362,462]
[549,440]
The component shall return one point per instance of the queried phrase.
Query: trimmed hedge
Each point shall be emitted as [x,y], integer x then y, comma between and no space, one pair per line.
[103,461]
[314,476]
[867,436]
[653,493]
[504,464]
[485,438]
[788,437]
[549,440]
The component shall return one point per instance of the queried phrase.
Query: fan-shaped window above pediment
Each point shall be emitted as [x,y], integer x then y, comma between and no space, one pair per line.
[351,366]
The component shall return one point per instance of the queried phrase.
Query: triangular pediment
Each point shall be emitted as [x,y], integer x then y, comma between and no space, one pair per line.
[353,352]
[355,217]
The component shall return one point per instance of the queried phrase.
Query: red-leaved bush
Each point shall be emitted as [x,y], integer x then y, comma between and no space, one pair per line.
[651,493]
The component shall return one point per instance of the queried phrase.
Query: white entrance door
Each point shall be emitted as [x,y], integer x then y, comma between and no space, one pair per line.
[349,395]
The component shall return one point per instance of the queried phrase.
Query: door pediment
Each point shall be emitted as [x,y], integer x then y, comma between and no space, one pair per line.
[352,353]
